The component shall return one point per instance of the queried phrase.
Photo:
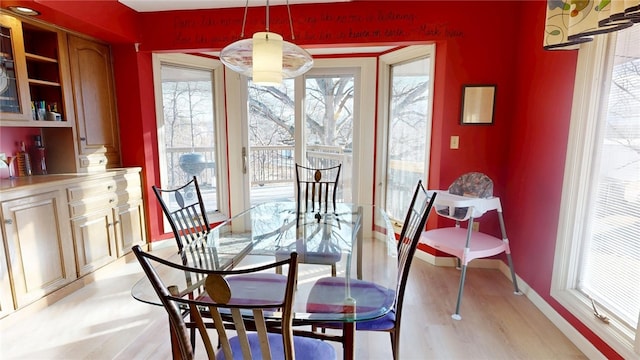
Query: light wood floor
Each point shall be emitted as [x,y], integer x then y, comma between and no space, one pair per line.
[103,321]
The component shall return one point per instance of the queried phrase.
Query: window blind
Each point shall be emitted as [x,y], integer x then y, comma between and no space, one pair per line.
[610,266]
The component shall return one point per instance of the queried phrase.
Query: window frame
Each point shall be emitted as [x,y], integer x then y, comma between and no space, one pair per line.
[386,61]
[592,81]
[217,69]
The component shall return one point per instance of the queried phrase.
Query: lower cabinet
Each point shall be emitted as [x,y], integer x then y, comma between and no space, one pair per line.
[55,232]
[107,219]
[94,239]
[6,300]
[130,227]
[39,248]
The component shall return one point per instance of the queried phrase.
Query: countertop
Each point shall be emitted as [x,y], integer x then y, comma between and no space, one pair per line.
[26,182]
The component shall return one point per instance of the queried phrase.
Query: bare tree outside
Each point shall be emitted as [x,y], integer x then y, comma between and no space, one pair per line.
[189,127]
[407,140]
[328,127]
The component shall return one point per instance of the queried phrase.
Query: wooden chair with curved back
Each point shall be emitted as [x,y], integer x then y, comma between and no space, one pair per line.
[215,301]
[414,223]
[317,188]
[317,191]
[185,211]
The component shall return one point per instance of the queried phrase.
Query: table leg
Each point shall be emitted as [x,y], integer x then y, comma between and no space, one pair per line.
[349,344]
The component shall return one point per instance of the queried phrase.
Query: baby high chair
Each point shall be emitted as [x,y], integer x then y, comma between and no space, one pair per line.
[468,198]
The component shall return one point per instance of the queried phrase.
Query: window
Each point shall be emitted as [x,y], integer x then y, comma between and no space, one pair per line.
[407,75]
[597,263]
[187,125]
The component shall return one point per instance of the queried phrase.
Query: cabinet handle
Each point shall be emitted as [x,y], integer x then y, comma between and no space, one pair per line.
[101,161]
[109,187]
[111,201]
[83,139]
[8,222]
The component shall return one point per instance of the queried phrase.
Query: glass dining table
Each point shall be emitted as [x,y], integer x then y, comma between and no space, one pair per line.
[359,238]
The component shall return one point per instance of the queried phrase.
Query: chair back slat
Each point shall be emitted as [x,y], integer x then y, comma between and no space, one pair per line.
[214,294]
[243,336]
[317,188]
[261,327]
[185,211]
[414,224]
[218,324]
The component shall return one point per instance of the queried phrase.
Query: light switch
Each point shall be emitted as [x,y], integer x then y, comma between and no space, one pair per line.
[455,142]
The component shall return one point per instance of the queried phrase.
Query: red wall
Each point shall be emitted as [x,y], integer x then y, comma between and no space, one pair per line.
[479,42]
[10,139]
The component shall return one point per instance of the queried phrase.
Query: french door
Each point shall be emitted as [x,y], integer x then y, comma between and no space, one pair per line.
[311,120]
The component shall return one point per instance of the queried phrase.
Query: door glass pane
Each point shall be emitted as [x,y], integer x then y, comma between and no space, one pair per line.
[407,134]
[189,137]
[9,101]
[271,128]
[328,126]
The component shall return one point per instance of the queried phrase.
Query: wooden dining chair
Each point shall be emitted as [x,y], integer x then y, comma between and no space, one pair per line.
[317,190]
[362,291]
[262,323]
[185,211]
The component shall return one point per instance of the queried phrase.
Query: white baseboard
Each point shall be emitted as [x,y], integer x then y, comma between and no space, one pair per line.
[563,325]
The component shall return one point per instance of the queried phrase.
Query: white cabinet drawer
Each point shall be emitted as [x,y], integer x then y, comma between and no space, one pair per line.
[90,189]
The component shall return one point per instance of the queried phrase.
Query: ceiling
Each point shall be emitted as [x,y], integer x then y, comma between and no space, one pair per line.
[165,5]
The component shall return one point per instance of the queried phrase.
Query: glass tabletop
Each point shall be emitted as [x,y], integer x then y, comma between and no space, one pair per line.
[359,239]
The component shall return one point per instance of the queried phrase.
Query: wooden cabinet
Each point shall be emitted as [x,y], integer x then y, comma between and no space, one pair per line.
[6,299]
[39,248]
[94,240]
[62,84]
[37,75]
[95,104]
[14,89]
[107,219]
[58,228]
[129,214]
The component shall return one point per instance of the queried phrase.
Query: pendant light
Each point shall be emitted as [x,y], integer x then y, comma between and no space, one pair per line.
[266,57]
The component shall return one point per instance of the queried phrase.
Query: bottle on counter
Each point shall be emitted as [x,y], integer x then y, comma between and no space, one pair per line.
[39,164]
[24,161]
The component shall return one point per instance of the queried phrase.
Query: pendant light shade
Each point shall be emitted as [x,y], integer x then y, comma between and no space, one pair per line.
[266,57]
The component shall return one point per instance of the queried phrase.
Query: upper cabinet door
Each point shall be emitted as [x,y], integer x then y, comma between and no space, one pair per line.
[94,95]
[15,102]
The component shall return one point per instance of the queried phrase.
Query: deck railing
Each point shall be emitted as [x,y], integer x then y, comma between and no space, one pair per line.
[268,164]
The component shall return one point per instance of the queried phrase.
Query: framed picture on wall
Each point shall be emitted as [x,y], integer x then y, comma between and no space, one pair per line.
[478,102]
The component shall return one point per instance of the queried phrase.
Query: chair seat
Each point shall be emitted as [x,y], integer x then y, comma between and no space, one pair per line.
[312,257]
[325,256]
[384,323]
[305,348]
[254,289]
[371,299]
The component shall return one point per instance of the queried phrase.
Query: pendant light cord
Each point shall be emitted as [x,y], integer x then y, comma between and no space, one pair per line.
[293,37]
[268,15]
[244,19]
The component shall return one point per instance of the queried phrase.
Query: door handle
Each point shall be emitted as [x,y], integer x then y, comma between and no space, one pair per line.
[244,160]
